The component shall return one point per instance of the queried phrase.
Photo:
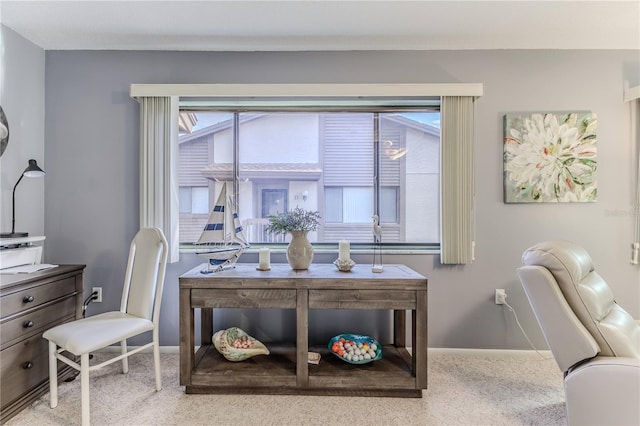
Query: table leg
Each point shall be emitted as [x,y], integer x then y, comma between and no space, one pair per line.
[302,339]
[187,356]
[206,326]
[399,329]
[420,344]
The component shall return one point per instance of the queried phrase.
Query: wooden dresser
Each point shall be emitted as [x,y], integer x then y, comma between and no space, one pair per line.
[29,305]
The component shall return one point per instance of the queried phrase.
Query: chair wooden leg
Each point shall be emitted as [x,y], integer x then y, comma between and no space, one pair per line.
[53,375]
[156,362]
[125,360]
[84,388]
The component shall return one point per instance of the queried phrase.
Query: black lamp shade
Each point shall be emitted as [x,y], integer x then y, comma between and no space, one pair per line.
[32,170]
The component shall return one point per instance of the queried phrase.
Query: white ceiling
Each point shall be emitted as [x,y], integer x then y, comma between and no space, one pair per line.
[324,25]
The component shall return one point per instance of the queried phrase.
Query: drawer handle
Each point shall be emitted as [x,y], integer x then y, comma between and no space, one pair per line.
[27,365]
[27,324]
[27,299]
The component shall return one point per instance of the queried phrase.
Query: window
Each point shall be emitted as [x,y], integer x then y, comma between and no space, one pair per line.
[348,204]
[194,200]
[159,110]
[389,205]
[349,165]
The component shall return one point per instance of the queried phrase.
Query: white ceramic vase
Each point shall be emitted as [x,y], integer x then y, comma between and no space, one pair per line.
[299,251]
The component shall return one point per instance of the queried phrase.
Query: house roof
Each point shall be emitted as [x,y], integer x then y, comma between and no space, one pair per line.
[226,124]
[186,121]
[299,171]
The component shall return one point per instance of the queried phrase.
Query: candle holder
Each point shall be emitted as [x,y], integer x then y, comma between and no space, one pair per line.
[264,259]
[344,265]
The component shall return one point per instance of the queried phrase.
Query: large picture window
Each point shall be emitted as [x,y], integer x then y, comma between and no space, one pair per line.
[349,165]
[454,166]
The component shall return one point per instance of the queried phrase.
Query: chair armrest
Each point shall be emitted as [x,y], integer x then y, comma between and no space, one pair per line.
[604,391]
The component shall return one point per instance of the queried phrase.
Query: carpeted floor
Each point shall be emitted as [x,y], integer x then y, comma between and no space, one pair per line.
[464,388]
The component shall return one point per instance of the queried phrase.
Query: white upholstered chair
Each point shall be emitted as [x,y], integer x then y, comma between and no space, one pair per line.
[594,341]
[139,313]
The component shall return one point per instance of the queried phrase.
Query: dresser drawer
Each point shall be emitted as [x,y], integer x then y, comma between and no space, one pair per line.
[39,319]
[23,366]
[25,299]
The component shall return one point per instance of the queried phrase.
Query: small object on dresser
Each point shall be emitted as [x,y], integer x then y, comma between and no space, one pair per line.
[236,345]
[344,250]
[264,259]
[298,222]
[313,358]
[355,348]
[344,265]
[214,244]
[377,248]
[31,171]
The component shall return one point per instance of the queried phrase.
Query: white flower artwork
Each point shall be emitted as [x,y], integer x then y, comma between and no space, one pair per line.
[550,157]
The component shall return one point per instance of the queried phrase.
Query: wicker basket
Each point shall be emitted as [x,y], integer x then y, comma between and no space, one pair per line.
[223,342]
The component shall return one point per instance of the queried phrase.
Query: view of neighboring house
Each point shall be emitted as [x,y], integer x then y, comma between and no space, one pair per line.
[316,161]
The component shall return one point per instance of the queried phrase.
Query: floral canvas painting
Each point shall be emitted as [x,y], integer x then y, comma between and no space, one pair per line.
[550,157]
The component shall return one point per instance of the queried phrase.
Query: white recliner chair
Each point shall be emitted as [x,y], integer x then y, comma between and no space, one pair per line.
[594,341]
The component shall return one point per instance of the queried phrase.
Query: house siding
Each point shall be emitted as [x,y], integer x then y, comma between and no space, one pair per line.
[193,158]
[348,151]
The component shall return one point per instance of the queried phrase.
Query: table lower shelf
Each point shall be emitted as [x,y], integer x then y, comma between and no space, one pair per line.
[276,374]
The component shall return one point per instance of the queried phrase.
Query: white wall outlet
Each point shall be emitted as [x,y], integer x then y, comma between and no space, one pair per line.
[501,296]
[99,291]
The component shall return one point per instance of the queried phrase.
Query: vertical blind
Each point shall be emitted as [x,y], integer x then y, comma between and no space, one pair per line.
[456,182]
[635,137]
[159,205]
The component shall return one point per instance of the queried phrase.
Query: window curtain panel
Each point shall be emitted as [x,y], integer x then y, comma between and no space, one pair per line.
[159,168]
[635,137]
[456,182]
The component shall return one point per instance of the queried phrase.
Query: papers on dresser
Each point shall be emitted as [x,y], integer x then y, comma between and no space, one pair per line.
[27,269]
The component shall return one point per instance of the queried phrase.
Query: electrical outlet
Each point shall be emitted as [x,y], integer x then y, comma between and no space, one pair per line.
[501,296]
[99,291]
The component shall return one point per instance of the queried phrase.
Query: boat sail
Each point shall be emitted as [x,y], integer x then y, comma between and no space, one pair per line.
[221,241]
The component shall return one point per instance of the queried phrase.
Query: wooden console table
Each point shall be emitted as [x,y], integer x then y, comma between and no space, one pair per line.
[286,370]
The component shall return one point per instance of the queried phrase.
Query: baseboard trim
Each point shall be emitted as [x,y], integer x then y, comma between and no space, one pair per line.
[445,351]
[505,352]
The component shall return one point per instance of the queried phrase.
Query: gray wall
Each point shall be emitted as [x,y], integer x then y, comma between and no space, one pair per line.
[92,155]
[22,99]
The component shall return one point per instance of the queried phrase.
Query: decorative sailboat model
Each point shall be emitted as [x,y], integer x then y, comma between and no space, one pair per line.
[222,240]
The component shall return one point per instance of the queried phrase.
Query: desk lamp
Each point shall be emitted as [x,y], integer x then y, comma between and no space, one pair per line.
[32,170]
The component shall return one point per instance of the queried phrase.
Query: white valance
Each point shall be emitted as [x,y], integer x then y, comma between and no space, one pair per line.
[394,90]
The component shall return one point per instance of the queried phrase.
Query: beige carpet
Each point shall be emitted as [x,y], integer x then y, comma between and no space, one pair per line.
[465,388]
